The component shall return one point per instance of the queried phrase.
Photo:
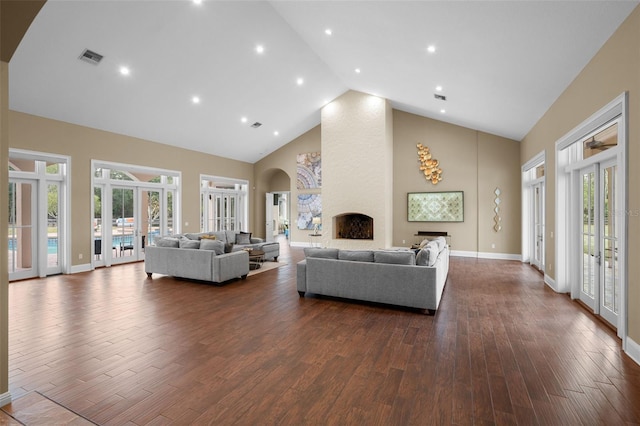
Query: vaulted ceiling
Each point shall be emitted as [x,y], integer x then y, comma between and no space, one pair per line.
[500,65]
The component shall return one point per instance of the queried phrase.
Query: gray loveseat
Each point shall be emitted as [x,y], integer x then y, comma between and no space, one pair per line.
[206,256]
[196,264]
[396,277]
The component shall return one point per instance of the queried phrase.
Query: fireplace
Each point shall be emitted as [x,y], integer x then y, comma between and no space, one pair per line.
[353,226]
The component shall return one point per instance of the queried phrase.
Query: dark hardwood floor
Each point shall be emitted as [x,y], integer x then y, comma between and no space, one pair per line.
[121,349]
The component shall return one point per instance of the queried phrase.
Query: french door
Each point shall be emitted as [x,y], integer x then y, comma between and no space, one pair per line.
[600,277]
[136,221]
[23,230]
[220,211]
[537,232]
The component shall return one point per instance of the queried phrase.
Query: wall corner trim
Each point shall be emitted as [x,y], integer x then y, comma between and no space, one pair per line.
[5,399]
[633,350]
[551,283]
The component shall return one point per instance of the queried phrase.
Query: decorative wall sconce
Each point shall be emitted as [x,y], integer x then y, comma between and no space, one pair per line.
[428,165]
[497,219]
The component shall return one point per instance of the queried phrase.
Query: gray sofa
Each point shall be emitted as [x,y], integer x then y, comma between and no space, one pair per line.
[206,256]
[196,264]
[396,277]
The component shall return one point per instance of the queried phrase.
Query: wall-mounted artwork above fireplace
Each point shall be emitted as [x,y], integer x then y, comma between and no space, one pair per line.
[435,206]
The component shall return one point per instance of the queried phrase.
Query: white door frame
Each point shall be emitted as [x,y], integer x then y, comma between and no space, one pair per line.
[567,166]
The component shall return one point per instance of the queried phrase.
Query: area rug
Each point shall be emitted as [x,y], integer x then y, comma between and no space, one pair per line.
[266,266]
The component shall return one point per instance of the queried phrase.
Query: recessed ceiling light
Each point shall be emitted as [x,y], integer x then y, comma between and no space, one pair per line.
[197,1]
[260,48]
[431,49]
[438,88]
[357,70]
[125,70]
[276,133]
[442,111]
[243,119]
[300,81]
[328,31]
[195,100]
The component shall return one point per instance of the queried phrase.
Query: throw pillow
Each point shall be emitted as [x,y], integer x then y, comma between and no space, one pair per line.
[228,247]
[243,238]
[192,236]
[211,244]
[208,237]
[399,257]
[186,243]
[422,259]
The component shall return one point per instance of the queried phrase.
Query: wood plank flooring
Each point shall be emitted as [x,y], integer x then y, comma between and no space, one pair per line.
[121,349]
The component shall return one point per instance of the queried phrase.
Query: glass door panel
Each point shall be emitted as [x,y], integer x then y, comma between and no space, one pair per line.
[98,237]
[124,226]
[538,225]
[589,240]
[151,212]
[610,272]
[53,236]
[23,258]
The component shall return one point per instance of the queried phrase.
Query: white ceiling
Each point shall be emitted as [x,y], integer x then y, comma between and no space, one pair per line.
[501,64]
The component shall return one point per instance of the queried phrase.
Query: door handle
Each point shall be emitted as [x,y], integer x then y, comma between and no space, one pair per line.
[599,258]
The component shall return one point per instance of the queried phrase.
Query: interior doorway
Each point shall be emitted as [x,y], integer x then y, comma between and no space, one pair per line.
[277,214]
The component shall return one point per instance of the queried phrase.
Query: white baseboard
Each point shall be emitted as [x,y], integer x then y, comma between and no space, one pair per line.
[551,283]
[633,350]
[499,256]
[5,399]
[486,255]
[460,253]
[86,267]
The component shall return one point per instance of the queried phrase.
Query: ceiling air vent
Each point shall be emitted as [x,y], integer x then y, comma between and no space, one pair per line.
[440,97]
[91,57]
[256,125]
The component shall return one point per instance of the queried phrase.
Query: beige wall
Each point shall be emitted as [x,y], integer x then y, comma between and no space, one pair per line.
[267,171]
[612,71]
[459,150]
[84,144]
[471,161]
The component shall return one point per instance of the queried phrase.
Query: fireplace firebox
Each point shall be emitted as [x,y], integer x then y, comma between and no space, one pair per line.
[353,226]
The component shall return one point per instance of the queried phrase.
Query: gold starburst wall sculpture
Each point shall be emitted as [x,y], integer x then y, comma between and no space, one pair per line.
[429,166]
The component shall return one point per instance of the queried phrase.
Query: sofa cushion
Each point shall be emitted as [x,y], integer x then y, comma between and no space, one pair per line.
[422,257]
[167,242]
[228,247]
[356,255]
[193,236]
[215,245]
[325,253]
[187,243]
[401,257]
[230,236]
[220,235]
[243,238]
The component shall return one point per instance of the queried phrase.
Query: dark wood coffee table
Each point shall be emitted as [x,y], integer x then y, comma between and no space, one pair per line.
[256,257]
